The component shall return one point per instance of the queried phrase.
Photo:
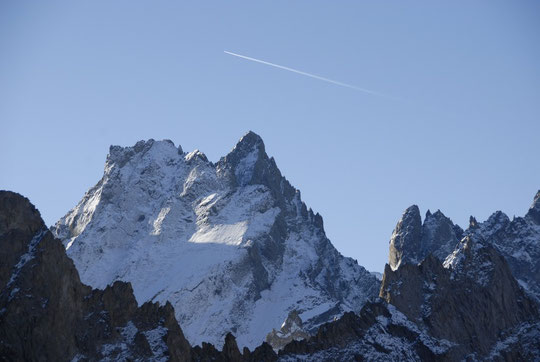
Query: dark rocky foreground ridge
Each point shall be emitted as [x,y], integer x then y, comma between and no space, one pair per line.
[47,314]
[465,306]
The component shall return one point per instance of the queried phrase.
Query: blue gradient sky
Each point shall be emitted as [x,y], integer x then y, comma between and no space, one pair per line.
[76,77]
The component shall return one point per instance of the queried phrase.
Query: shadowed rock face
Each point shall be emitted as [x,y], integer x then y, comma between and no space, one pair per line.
[46,313]
[460,299]
[471,301]
[469,307]
[378,333]
[231,352]
[518,240]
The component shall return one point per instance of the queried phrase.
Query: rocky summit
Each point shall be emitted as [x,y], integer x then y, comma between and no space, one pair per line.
[230,244]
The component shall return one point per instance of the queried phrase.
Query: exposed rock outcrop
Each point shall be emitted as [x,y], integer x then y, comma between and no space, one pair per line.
[413,240]
[378,333]
[46,313]
[458,300]
[471,301]
[231,352]
[291,330]
[518,240]
[406,239]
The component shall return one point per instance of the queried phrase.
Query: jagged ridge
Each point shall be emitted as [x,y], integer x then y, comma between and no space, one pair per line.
[230,245]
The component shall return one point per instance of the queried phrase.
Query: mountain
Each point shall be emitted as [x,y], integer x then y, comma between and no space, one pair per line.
[517,240]
[47,314]
[412,241]
[446,295]
[467,306]
[470,300]
[231,245]
[482,296]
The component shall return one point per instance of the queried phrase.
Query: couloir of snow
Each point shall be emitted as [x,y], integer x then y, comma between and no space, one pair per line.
[229,253]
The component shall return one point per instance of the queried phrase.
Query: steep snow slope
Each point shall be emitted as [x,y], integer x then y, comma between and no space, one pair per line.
[230,245]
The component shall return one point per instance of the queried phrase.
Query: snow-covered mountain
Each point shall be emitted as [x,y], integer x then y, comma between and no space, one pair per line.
[231,245]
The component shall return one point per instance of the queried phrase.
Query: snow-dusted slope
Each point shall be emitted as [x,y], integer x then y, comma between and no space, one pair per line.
[230,245]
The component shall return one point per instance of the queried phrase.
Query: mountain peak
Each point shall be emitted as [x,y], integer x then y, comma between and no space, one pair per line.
[250,139]
[534,210]
[156,149]
[406,238]
[439,236]
[248,161]
[412,212]
[196,154]
[17,212]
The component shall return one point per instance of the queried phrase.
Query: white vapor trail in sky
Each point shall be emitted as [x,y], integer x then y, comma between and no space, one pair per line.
[310,75]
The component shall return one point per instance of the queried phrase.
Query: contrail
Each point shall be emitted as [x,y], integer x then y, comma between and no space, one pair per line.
[310,75]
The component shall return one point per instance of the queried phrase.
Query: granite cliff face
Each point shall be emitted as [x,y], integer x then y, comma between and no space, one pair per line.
[47,314]
[231,245]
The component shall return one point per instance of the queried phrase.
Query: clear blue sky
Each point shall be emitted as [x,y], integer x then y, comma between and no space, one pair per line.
[77,76]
